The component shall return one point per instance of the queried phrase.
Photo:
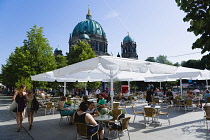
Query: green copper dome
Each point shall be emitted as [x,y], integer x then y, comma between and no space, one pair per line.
[58,49]
[127,38]
[88,26]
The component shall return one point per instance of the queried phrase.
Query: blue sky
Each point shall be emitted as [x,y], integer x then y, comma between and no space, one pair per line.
[157,27]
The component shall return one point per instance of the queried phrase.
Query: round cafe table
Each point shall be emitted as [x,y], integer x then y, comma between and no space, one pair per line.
[103,118]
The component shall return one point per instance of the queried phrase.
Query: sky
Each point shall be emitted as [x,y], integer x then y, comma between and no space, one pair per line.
[156,26]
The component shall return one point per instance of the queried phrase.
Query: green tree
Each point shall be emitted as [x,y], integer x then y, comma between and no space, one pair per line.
[61,61]
[163,59]
[197,64]
[198,14]
[176,64]
[34,57]
[80,52]
[151,59]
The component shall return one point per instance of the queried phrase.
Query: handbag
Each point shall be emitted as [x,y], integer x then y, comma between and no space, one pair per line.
[13,106]
[35,104]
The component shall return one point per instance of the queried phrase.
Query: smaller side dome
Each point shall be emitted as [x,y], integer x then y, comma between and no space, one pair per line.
[84,36]
[58,49]
[127,38]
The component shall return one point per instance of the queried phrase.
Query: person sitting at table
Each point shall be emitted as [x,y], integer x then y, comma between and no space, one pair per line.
[64,110]
[190,94]
[85,98]
[101,103]
[82,117]
[69,102]
[170,95]
[204,100]
[92,110]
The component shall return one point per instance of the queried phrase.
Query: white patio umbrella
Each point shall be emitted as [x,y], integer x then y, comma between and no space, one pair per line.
[108,66]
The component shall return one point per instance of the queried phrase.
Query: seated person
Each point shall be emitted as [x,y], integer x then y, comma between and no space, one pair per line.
[64,110]
[85,98]
[101,103]
[82,117]
[205,96]
[92,110]
[69,102]
[190,94]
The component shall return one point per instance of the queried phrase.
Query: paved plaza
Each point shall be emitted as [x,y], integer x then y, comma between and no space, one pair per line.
[184,126]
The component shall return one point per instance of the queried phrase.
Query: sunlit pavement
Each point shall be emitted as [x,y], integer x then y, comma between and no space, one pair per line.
[184,126]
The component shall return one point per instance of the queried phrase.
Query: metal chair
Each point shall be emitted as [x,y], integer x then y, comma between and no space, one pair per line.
[124,126]
[188,104]
[165,112]
[136,112]
[82,131]
[49,106]
[150,112]
[62,116]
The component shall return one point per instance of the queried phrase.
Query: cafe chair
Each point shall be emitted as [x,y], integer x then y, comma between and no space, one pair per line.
[122,127]
[114,113]
[136,112]
[82,131]
[188,104]
[206,114]
[62,116]
[166,111]
[178,103]
[156,100]
[150,112]
[49,106]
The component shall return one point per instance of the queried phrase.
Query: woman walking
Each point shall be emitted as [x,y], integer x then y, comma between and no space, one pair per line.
[29,98]
[21,101]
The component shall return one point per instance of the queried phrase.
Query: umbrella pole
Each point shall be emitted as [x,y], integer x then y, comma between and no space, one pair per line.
[181,86]
[129,89]
[64,88]
[112,85]
[160,85]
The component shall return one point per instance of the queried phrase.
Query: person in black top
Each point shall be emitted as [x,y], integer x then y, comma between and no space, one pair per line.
[82,117]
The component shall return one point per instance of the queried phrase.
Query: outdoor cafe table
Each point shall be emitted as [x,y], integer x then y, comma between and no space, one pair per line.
[103,118]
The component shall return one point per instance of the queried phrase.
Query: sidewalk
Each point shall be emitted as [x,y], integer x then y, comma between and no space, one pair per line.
[184,126]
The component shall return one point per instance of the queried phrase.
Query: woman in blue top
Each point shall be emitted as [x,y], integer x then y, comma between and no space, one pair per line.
[64,110]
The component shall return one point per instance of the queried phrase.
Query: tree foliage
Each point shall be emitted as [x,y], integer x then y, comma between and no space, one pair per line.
[150,59]
[197,64]
[163,59]
[80,52]
[198,14]
[34,57]
[61,61]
